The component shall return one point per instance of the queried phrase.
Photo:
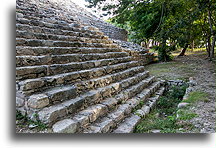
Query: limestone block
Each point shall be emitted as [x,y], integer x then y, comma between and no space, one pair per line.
[94,129]
[106,124]
[117,115]
[32,84]
[183,104]
[73,104]
[81,119]
[19,15]
[19,102]
[126,108]
[133,102]
[110,102]
[61,94]
[51,114]
[65,126]
[146,109]
[38,101]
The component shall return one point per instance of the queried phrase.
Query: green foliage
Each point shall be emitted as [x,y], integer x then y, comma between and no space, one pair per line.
[167,104]
[185,115]
[181,22]
[24,120]
[19,116]
[164,52]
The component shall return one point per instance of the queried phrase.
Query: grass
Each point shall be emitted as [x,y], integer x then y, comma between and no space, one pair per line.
[167,118]
[197,96]
[152,122]
[164,117]
[189,51]
[184,114]
[172,70]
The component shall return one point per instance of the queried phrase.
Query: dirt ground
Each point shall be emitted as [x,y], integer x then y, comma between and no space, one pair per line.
[197,66]
[205,77]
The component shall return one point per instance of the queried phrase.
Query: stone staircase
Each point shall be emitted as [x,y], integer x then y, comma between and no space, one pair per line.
[76,80]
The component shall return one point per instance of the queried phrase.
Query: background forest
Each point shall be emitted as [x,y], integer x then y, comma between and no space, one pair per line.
[165,24]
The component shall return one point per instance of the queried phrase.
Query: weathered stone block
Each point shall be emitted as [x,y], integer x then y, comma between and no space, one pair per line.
[98,110]
[38,101]
[183,104]
[81,119]
[126,108]
[73,104]
[65,126]
[32,84]
[51,114]
[19,102]
[133,102]
[61,94]
[106,124]
[146,109]
[117,115]
[109,102]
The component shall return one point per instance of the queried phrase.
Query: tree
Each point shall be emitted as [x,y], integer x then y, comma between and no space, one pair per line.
[178,21]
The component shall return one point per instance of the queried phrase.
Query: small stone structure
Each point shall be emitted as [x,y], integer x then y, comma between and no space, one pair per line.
[73,78]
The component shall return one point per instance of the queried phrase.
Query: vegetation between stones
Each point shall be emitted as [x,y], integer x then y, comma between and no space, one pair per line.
[24,121]
[164,117]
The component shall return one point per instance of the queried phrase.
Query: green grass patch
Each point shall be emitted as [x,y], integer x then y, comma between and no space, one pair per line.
[197,96]
[25,121]
[151,122]
[163,117]
[184,114]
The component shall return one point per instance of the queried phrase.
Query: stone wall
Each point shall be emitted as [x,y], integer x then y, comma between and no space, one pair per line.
[83,16]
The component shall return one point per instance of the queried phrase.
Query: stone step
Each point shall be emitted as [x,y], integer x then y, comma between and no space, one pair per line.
[120,114]
[51,114]
[22,61]
[108,79]
[59,94]
[45,30]
[52,96]
[30,72]
[30,86]
[70,27]
[39,51]
[37,14]
[42,36]
[129,124]
[83,119]
[26,14]
[51,43]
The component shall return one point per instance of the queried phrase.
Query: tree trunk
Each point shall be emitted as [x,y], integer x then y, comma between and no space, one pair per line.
[212,33]
[208,47]
[192,45]
[212,46]
[183,50]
